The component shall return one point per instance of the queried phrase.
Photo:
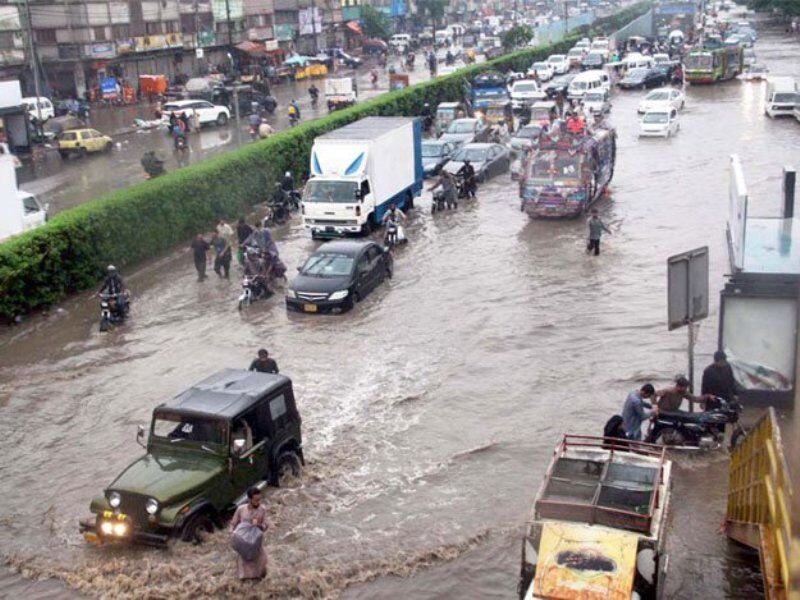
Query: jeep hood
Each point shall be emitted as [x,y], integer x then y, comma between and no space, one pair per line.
[167,477]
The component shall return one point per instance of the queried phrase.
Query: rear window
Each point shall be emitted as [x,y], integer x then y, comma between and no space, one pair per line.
[169,107]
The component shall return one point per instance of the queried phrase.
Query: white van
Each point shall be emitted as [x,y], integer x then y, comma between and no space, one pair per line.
[634,60]
[781,97]
[400,41]
[44,105]
[588,81]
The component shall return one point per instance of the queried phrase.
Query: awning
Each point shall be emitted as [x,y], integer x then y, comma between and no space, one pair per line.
[252,48]
[354,27]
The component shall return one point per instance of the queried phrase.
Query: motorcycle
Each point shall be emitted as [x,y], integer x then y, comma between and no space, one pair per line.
[114,309]
[442,200]
[427,123]
[465,188]
[180,143]
[704,430]
[253,288]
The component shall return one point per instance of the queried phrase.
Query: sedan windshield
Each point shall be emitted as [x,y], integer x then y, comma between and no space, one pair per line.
[657,96]
[593,97]
[461,127]
[637,74]
[656,117]
[176,428]
[432,150]
[525,87]
[470,154]
[330,191]
[540,66]
[327,264]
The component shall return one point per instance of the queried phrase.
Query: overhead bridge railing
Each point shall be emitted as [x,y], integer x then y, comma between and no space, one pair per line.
[759,500]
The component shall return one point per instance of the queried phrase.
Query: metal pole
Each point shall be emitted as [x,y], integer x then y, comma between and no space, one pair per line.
[690,324]
[228,19]
[515,13]
[34,62]
[236,113]
[691,357]
[566,18]
[314,26]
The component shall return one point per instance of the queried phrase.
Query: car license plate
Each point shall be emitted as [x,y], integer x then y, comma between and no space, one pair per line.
[310,307]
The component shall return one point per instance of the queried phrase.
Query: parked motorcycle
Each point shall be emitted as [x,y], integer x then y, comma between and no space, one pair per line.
[114,309]
[704,430]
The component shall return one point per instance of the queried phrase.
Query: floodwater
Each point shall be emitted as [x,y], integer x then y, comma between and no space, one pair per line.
[431,411]
[67,182]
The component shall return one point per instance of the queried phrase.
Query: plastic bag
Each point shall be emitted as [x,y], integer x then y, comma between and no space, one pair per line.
[247,540]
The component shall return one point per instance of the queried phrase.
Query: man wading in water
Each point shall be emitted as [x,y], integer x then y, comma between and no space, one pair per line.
[596,229]
[253,512]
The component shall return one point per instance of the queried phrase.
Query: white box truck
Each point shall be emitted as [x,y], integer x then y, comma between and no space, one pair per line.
[19,210]
[358,171]
[340,93]
[780,96]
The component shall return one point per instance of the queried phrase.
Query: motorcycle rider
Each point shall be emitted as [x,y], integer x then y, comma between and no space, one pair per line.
[637,410]
[288,187]
[671,398]
[446,182]
[265,129]
[279,204]
[467,171]
[427,117]
[502,131]
[394,215]
[255,120]
[115,287]
[718,379]
[294,114]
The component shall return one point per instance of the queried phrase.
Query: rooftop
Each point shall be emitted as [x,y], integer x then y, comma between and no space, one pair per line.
[226,394]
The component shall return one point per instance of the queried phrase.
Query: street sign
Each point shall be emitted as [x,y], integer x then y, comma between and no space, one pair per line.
[687,295]
[198,52]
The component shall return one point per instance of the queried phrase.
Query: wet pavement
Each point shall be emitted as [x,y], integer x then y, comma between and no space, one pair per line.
[431,411]
[67,182]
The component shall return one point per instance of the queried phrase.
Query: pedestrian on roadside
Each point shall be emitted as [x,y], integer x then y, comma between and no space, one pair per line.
[200,248]
[637,410]
[255,513]
[264,364]
[243,231]
[222,255]
[718,379]
[225,230]
[596,229]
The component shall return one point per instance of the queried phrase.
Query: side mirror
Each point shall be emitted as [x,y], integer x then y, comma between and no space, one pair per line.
[238,447]
[140,436]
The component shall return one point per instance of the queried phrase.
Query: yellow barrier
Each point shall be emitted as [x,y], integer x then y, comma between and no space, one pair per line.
[759,496]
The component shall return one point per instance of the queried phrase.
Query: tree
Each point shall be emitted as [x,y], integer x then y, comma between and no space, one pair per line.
[517,37]
[375,24]
[435,10]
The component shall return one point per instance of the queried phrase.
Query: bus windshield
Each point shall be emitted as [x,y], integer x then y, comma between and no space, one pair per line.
[699,61]
[555,166]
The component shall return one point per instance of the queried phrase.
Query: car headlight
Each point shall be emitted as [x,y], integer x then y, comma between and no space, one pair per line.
[340,295]
[114,499]
[151,506]
[290,293]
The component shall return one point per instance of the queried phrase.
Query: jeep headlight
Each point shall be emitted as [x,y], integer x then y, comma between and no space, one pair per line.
[340,295]
[290,293]
[114,499]
[151,506]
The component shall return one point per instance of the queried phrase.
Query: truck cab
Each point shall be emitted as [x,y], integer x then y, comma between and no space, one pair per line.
[206,447]
[358,171]
[34,213]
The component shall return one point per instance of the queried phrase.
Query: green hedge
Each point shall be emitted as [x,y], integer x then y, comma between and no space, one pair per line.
[69,253]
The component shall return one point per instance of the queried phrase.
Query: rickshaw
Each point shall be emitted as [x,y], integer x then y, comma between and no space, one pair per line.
[498,111]
[447,112]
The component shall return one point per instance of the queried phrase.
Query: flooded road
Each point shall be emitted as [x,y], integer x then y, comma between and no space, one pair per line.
[67,182]
[431,411]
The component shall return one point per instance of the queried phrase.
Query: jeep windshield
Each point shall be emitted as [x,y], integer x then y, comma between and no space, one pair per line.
[180,429]
[330,191]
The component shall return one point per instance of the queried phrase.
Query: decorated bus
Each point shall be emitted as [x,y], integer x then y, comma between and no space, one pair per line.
[713,63]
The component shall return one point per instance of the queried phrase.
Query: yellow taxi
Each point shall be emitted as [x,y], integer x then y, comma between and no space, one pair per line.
[82,141]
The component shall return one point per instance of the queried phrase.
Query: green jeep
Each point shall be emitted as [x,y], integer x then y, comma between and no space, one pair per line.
[206,447]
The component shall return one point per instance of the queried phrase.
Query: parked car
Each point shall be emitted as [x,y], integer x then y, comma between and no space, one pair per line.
[81,142]
[660,98]
[42,105]
[593,60]
[435,153]
[338,275]
[559,63]
[206,112]
[559,85]
[206,448]
[661,122]
[488,160]
[544,71]
[597,102]
[466,131]
[643,78]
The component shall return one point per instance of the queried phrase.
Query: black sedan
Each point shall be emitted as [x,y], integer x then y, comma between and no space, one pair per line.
[643,78]
[435,153]
[559,85]
[465,131]
[488,160]
[337,275]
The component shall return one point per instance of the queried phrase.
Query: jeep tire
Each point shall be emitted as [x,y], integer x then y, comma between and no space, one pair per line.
[197,528]
[288,466]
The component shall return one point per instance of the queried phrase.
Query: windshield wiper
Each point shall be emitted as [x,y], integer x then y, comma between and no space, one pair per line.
[207,449]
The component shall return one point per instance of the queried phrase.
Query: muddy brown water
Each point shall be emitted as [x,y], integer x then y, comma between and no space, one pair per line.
[431,411]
